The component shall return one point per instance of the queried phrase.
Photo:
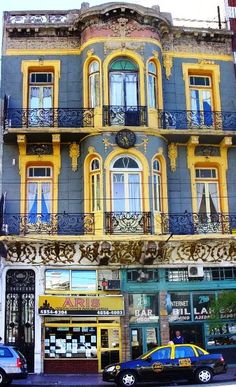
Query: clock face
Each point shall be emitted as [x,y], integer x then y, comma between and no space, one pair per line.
[125,138]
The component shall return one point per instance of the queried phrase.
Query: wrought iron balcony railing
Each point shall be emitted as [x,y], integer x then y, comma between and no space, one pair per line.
[60,224]
[128,223]
[124,115]
[191,119]
[59,118]
[190,223]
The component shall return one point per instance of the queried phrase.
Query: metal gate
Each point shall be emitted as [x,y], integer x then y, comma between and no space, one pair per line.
[20,308]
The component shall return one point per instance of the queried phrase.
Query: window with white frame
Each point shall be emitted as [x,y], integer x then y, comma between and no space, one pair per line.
[157,189]
[95,184]
[152,85]
[207,189]
[39,193]
[94,87]
[201,101]
[126,184]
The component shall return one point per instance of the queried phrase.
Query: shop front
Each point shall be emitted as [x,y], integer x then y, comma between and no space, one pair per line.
[143,319]
[81,333]
[190,313]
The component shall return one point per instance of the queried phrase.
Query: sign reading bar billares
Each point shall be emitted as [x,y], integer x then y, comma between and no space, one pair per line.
[81,306]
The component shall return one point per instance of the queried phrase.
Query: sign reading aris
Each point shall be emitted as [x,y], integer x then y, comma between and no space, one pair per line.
[81,306]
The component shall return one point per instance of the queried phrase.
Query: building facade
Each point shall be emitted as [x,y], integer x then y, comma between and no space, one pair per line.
[118,184]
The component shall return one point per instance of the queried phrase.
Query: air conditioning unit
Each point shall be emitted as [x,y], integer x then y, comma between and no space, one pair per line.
[113,285]
[195,271]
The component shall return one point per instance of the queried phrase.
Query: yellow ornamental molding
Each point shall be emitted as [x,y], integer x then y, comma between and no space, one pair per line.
[168,63]
[74,154]
[90,53]
[172,154]
[205,61]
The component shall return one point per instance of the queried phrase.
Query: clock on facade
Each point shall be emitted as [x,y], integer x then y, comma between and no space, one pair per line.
[125,138]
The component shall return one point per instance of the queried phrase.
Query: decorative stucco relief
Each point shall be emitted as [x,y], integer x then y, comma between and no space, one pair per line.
[134,46]
[119,253]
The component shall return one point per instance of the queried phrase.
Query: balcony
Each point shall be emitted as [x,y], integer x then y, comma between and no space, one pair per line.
[124,115]
[52,118]
[51,224]
[190,223]
[128,223]
[190,119]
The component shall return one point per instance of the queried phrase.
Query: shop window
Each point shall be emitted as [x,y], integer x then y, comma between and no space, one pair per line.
[152,85]
[83,280]
[39,194]
[157,185]
[126,185]
[94,84]
[221,333]
[59,279]
[142,275]
[143,308]
[95,185]
[70,342]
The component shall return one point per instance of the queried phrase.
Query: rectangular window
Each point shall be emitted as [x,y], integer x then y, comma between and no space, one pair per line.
[205,173]
[199,81]
[39,172]
[41,77]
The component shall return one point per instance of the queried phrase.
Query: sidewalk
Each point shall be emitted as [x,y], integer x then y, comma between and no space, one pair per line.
[93,380]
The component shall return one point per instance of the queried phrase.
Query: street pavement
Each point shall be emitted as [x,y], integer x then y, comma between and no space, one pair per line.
[95,380]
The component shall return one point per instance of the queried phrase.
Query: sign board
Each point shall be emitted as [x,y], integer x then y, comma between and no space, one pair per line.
[81,306]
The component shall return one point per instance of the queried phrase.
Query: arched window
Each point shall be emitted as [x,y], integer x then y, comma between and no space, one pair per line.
[95,185]
[123,83]
[152,85]
[157,185]
[126,184]
[94,80]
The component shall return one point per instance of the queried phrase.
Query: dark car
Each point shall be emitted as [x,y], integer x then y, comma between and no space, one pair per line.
[12,364]
[167,363]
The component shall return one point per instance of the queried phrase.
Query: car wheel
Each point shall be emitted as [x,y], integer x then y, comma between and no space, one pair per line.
[3,378]
[127,379]
[203,376]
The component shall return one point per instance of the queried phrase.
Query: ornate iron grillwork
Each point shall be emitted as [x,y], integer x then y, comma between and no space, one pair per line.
[128,222]
[61,224]
[190,119]
[194,223]
[124,115]
[20,309]
[59,118]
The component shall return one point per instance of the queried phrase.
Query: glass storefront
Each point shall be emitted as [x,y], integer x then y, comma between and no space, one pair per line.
[96,341]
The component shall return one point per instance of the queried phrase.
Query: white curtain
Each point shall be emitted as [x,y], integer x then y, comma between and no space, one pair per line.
[134,192]
[118,192]
[131,89]
[116,90]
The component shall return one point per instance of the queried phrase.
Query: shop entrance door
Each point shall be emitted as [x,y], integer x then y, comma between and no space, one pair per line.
[110,346]
[143,339]
[20,308]
[192,333]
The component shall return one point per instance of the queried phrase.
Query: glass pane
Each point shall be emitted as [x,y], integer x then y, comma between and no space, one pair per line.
[93,67]
[118,192]
[85,280]
[131,92]
[134,193]
[157,192]
[123,64]
[136,342]
[116,90]
[125,162]
[152,91]
[57,279]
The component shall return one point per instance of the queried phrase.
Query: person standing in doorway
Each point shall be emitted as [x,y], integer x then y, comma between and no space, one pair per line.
[178,339]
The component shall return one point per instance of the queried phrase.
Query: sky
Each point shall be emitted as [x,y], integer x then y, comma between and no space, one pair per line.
[194,9]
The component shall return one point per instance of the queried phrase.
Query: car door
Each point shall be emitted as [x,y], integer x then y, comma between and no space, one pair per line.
[157,365]
[184,360]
